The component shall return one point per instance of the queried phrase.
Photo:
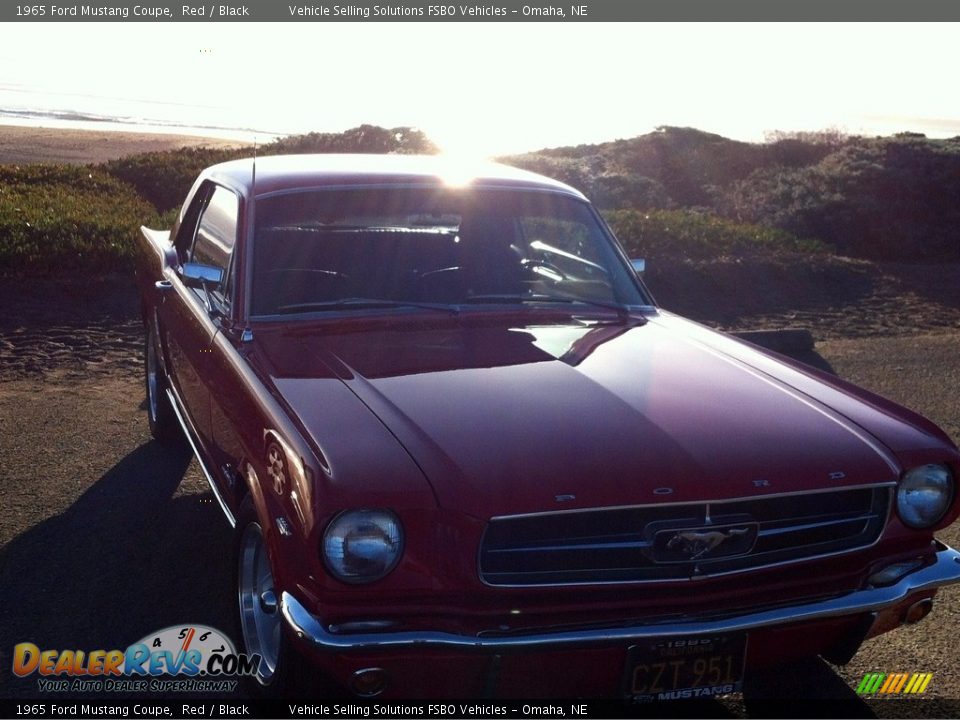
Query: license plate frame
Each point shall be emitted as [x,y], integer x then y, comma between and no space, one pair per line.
[685,667]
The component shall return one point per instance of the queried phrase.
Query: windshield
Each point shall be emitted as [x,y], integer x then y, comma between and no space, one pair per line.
[339,249]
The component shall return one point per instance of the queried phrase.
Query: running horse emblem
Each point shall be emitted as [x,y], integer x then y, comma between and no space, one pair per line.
[698,544]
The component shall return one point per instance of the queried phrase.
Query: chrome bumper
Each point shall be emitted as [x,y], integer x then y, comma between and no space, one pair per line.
[945,570]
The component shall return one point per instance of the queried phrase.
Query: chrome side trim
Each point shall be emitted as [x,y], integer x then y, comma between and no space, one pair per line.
[945,570]
[175,403]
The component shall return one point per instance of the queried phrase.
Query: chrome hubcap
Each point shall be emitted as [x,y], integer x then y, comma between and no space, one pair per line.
[259,618]
[268,602]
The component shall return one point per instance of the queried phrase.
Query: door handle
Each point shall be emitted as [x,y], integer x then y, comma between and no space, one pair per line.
[163,285]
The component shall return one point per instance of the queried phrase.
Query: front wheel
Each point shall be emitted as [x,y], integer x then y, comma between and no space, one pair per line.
[163,424]
[281,670]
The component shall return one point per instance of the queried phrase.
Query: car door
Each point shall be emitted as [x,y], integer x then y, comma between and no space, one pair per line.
[188,316]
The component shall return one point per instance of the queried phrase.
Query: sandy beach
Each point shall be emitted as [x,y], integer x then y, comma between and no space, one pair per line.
[20,144]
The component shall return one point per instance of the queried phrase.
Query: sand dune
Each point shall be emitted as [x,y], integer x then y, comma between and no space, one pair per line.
[55,145]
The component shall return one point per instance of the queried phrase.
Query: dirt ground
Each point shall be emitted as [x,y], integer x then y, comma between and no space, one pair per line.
[832,297]
[921,372]
[105,536]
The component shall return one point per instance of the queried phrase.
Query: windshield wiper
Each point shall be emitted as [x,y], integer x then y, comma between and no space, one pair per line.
[335,228]
[621,310]
[359,302]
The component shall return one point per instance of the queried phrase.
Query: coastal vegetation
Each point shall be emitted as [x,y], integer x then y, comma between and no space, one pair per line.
[61,218]
[674,196]
[885,198]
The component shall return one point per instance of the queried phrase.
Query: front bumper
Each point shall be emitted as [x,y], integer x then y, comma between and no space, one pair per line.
[943,570]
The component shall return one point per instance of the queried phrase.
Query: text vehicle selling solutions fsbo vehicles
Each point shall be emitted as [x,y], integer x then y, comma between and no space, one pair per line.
[467,455]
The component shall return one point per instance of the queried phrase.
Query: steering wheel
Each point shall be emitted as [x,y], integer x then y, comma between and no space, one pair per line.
[322,272]
[544,269]
[438,273]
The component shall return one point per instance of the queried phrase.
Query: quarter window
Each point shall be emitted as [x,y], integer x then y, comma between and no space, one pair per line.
[216,236]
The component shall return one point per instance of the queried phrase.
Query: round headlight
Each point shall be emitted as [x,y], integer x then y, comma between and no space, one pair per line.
[361,546]
[924,495]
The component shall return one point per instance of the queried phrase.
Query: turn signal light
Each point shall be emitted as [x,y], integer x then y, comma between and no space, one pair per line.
[369,682]
[917,612]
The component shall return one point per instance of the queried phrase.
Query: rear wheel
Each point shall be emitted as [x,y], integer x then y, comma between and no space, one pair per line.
[163,424]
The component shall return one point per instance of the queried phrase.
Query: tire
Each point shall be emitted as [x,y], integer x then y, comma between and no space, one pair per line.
[282,671]
[163,423]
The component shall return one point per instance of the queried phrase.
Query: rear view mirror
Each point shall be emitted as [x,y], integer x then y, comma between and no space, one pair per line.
[639,265]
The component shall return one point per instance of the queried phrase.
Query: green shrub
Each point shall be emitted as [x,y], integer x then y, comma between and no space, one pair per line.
[164,178]
[687,235]
[366,139]
[59,218]
[883,199]
[674,166]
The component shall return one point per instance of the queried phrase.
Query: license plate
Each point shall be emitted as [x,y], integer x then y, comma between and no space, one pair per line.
[686,667]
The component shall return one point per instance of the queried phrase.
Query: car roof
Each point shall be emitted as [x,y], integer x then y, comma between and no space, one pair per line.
[279,173]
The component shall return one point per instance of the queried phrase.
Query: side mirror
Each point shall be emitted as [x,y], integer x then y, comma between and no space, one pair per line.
[202,277]
[639,265]
[199,276]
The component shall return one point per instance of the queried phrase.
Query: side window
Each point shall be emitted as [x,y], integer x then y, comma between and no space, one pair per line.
[216,236]
[188,228]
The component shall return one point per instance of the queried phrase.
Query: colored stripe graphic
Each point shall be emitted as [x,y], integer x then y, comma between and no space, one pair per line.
[900,683]
[894,683]
[862,687]
[890,683]
[870,683]
[922,683]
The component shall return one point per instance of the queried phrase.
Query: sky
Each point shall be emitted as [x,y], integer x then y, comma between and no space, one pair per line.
[495,88]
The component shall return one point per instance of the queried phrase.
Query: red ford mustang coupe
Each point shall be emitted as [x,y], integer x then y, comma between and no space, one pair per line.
[467,455]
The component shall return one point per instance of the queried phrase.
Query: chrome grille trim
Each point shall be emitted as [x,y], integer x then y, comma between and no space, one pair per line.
[615,546]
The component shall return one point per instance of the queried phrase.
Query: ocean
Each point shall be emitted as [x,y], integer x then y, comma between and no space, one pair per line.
[20,106]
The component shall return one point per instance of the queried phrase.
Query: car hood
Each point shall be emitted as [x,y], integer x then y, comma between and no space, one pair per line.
[525,415]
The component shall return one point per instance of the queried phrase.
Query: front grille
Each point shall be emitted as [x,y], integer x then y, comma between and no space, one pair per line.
[630,544]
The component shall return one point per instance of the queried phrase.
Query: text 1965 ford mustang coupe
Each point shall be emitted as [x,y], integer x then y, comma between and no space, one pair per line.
[467,455]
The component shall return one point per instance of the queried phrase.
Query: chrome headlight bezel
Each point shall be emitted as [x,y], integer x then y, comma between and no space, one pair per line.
[350,545]
[924,495]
